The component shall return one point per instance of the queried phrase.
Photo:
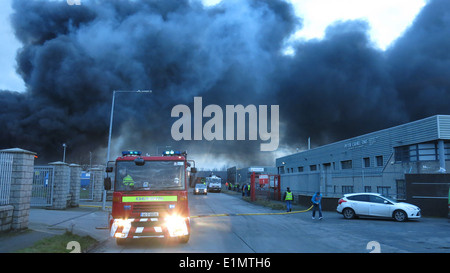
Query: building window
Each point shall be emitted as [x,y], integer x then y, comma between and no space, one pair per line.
[300,169]
[366,161]
[405,153]
[367,189]
[347,189]
[416,152]
[346,164]
[383,190]
[313,168]
[379,160]
[447,150]
[427,151]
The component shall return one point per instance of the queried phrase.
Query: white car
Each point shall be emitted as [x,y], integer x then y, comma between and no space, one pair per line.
[376,205]
[200,189]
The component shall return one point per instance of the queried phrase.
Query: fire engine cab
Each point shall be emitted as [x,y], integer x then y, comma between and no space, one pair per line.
[150,198]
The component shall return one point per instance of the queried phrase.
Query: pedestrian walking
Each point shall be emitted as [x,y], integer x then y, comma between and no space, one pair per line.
[288,197]
[317,203]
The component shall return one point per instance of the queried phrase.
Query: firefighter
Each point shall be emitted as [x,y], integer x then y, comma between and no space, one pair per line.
[317,203]
[248,190]
[288,197]
[128,181]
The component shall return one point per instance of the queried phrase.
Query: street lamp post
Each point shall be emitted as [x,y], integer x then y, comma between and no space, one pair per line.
[111,125]
[64,154]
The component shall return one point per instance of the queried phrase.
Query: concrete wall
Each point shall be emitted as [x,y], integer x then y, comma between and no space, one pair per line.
[6,215]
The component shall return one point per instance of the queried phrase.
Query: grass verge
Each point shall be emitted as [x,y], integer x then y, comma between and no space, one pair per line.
[64,243]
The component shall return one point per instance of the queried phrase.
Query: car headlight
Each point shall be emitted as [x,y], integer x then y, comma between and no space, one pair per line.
[176,226]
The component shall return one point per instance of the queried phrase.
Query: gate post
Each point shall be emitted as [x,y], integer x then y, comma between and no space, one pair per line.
[21,185]
[252,187]
[75,184]
[279,188]
[61,184]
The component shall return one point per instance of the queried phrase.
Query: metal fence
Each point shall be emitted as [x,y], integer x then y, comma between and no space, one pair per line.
[42,190]
[86,187]
[5,177]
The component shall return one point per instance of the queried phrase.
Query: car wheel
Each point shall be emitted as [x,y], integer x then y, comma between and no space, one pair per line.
[348,213]
[400,216]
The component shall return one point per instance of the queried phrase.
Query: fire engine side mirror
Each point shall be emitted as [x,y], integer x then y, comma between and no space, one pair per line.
[109,169]
[107,183]
[193,170]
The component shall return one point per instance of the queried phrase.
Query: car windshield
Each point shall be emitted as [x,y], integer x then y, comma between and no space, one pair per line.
[200,186]
[153,175]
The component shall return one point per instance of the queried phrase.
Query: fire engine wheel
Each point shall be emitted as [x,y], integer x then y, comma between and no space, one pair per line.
[121,241]
[184,239]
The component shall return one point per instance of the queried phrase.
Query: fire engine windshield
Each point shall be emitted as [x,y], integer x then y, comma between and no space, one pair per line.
[153,175]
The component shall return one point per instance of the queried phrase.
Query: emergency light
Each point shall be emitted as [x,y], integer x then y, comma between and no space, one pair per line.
[131,153]
[171,153]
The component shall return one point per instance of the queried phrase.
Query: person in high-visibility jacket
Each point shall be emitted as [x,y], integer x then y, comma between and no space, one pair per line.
[288,197]
[128,180]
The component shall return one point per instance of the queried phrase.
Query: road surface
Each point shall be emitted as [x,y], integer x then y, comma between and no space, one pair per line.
[290,233]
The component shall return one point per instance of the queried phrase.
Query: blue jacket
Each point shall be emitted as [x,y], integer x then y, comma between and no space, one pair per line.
[317,198]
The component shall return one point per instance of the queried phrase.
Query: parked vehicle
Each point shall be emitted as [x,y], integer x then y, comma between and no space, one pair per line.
[376,205]
[200,189]
[214,183]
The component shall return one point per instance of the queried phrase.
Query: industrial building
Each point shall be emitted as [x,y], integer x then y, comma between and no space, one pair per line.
[381,162]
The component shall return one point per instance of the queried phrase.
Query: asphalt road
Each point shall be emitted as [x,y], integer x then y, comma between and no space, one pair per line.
[291,233]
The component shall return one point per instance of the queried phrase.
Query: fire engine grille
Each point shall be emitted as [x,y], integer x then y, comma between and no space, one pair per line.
[150,208]
[146,224]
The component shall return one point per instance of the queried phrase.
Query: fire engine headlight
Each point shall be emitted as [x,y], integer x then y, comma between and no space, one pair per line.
[125,223]
[176,226]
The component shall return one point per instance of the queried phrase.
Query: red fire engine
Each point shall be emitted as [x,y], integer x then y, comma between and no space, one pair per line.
[150,196]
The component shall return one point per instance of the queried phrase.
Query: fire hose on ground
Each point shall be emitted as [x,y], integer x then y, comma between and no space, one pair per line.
[248,214]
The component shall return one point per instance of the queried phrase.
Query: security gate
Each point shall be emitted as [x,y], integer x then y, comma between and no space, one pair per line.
[86,187]
[5,177]
[42,190]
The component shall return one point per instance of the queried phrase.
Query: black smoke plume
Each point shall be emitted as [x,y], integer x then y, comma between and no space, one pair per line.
[74,56]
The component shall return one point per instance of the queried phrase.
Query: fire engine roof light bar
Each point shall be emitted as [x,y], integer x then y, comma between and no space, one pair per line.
[171,153]
[131,153]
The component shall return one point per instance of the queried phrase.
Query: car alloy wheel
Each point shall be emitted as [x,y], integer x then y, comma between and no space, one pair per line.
[348,213]
[400,216]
